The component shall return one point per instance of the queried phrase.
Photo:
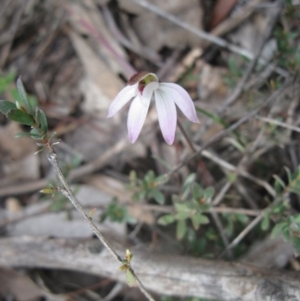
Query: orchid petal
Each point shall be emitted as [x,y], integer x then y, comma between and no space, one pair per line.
[149,89]
[136,116]
[182,100]
[167,115]
[125,95]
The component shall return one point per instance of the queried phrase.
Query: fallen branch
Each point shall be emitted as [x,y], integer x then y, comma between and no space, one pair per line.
[163,274]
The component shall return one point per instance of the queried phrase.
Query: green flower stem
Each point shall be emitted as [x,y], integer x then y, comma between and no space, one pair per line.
[68,193]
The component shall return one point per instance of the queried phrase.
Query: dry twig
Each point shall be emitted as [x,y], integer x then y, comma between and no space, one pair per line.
[68,193]
[182,276]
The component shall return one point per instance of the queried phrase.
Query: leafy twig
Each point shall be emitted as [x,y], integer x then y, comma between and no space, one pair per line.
[67,192]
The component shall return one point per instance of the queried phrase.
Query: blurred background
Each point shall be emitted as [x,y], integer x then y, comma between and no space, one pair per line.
[239,61]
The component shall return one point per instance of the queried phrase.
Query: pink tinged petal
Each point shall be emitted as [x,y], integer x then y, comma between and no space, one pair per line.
[167,115]
[125,95]
[149,89]
[136,117]
[182,100]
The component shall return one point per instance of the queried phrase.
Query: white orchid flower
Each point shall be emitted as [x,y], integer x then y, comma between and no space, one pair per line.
[141,88]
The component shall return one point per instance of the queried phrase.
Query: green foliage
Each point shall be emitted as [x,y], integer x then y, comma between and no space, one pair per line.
[234,221]
[181,228]
[292,185]
[6,106]
[166,219]
[20,116]
[292,9]
[213,117]
[147,188]
[265,224]
[288,51]
[23,100]
[290,230]
[24,111]
[41,120]
[190,205]
[126,267]
[287,225]
[116,213]
[16,92]
[130,279]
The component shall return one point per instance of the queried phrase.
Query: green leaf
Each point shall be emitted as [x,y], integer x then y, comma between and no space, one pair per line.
[197,191]
[163,179]
[278,229]
[33,101]
[279,184]
[289,174]
[236,144]
[296,219]
[23,95]
[181,229]
[286,232]
[6,106]
[180,207]
[20,116]
[182,211]
[166,219]
[136,197]
[188,185]
[242,218]
[279,209]
[23,134]
[130,279]
[49,190]
[294,190]
[265,224]
[35,134]
[296,244]
[158,196]
[208,193]
[182,215]
[199,219]
[232,177]
[42,120]
[149,177]
[188,181]
[212,116]
[133,178]
[140,195]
